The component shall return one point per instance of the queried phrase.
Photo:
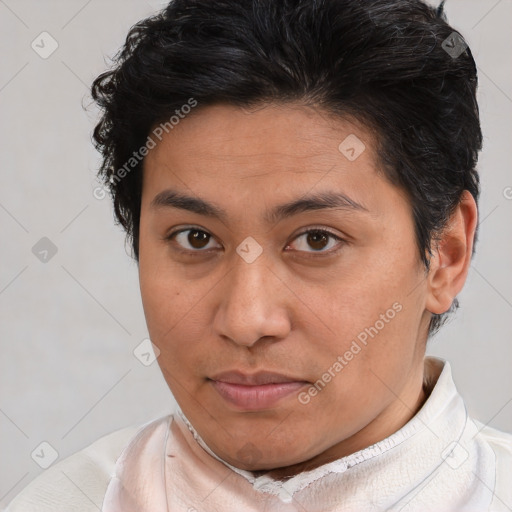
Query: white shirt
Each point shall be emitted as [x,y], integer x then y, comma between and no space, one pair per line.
[441,460]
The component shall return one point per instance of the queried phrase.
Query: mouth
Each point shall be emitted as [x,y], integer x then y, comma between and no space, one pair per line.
[255,392]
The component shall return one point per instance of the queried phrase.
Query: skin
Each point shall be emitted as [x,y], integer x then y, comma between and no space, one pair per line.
[300,304]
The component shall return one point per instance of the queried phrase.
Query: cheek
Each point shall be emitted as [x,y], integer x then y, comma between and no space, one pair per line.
[175,316]
[356,371]
[370,317]
[163,290]
[357,298]
[163,303]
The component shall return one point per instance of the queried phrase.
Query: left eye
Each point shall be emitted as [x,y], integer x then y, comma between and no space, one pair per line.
[318,239]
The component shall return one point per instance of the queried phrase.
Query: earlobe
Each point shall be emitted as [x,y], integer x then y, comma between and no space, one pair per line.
[452,256]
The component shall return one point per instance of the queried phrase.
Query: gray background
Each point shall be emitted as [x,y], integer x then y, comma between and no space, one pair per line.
[69,326]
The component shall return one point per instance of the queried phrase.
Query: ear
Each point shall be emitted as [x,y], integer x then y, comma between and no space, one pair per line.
[451,258]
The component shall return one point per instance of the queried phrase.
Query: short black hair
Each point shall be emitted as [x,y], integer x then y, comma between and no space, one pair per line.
[395,65]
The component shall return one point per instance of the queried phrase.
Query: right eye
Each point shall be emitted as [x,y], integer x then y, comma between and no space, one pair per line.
[190,240]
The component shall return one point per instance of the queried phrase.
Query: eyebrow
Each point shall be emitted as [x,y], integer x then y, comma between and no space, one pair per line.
[319,201]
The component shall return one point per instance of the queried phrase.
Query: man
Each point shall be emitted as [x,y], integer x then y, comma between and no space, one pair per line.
[298,181]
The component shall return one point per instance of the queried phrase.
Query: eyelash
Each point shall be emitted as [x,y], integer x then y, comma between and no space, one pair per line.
[169,238]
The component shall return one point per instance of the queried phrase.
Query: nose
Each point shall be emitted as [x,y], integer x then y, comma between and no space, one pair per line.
[252,304]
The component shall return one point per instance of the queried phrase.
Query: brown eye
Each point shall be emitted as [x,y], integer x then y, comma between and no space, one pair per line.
[198,239]
[191,240]
[317,240]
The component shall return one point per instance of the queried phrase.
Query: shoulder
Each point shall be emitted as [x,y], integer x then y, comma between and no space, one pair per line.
[79,482]
[501,444]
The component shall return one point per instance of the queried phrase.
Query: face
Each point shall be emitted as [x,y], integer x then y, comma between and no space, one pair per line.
[286,294]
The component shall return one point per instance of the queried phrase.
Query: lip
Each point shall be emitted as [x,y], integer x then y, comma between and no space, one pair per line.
[257,391]
[256,379]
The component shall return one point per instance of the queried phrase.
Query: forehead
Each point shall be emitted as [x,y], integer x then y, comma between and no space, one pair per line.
[275,130]
[265,156]
[241,143]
